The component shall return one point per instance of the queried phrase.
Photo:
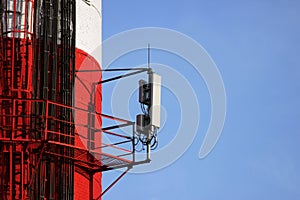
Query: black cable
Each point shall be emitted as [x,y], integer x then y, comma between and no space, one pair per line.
[143,109]
[136,140]
[155,145]
[146,110]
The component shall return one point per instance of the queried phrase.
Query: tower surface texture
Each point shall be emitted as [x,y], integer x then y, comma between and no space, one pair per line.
[50,122]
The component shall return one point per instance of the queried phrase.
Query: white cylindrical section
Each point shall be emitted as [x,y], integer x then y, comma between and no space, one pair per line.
[88,57]
[17,18]
[89,27]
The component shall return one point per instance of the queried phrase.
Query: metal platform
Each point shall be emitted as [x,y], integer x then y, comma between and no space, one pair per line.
[40,135]
[44,139]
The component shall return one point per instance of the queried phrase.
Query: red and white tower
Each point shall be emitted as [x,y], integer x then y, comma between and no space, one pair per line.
[43,153]
[51,116]
[88,57]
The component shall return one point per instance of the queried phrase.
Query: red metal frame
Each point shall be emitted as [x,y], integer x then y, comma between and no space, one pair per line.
[47,146]
[42,147]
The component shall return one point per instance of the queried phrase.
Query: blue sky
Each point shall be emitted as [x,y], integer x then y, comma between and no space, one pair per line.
[256,46]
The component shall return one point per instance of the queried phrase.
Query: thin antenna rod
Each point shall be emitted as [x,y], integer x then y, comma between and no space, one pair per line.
[148,55]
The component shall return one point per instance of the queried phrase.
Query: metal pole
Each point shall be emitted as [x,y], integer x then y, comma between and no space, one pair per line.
[133,143]
[113,183]
[11,171]
[148,56]
[22,175]
[148,150]
[121,76]
[91,188]
[148,143]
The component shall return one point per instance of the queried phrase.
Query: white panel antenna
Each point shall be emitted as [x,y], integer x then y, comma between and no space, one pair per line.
[155,83]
